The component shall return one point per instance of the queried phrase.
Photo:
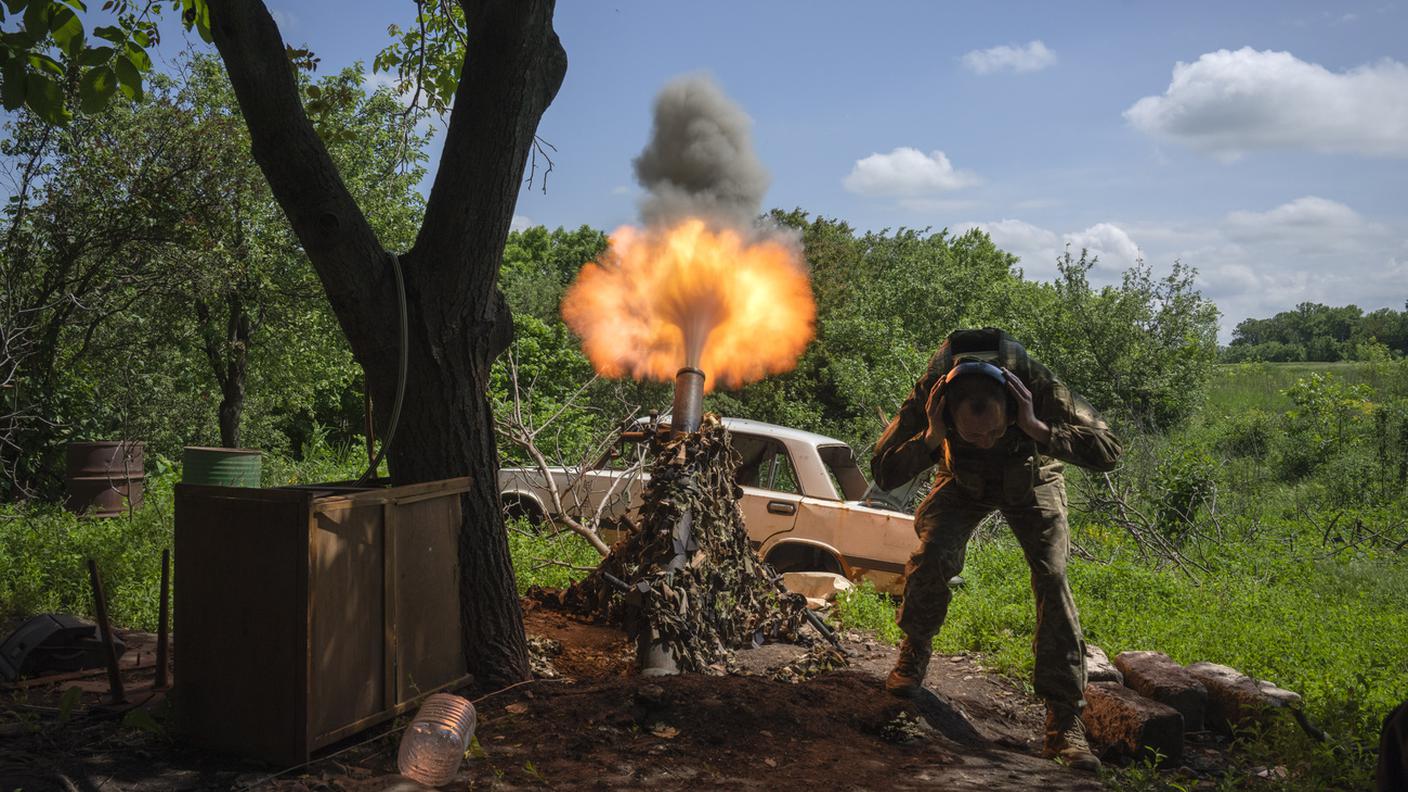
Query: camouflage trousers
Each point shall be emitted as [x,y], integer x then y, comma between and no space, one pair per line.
[946,520]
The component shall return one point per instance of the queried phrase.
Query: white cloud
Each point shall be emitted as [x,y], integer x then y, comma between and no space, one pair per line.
[1307,224]
[906,172]
[1110,242]
[1038,248]
[520,222]
[1252,263]
[1227,103]
[1033,57]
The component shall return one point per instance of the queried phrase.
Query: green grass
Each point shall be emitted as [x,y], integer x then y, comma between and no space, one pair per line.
[44,549]
[1309,627]
[550,560]
[1237,387]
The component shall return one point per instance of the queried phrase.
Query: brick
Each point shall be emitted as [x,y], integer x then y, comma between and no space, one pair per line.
[1098,667]
[1235,699]
[1123,724]
[1156,676]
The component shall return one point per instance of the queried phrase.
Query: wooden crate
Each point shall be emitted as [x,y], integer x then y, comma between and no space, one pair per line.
[307,614]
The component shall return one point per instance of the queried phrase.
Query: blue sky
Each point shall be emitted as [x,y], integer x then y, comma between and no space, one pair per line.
[1264,143]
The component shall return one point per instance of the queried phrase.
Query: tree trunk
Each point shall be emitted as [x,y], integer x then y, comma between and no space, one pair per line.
[458,322]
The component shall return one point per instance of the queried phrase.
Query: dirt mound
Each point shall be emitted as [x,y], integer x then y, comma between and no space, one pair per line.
[600,726]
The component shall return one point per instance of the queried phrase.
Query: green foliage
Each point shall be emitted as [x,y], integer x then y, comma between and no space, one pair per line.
[427,59]
[44,552]
[1315,332]
[47,61]
[1141,351]
[550,560]
[167,282]
[1184,481]
[539,264]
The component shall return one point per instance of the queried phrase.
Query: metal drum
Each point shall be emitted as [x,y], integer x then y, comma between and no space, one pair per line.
[104,476]
[225,467]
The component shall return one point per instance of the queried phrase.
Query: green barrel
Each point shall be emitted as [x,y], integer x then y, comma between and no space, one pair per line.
[225,467]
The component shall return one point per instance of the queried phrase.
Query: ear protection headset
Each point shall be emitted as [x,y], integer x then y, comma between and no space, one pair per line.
[963,368]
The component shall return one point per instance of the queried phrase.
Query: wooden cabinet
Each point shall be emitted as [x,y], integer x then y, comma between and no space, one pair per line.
[306,614]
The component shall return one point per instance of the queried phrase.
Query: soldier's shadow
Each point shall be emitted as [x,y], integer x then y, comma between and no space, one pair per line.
[947,719]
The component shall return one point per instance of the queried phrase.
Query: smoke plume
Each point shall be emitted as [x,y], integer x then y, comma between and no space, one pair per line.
[700,160]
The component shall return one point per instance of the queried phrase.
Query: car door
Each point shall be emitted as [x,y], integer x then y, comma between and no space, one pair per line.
[771,495]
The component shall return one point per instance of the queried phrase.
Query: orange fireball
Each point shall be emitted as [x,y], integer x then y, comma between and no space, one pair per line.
[660,299]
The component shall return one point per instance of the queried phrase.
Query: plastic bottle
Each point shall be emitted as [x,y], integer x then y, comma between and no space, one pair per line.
[433,746]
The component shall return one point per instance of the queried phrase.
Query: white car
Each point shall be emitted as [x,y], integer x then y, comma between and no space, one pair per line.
[806,503]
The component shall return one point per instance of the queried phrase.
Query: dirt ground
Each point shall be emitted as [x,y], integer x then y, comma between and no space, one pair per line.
[597,726]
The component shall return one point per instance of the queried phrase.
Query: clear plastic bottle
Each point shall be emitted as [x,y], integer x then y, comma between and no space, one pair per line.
[433,746]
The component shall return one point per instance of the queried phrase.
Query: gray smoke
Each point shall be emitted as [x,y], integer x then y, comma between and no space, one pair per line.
[700,160]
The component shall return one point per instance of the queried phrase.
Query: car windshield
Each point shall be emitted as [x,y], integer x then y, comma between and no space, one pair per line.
[845,474]
[763,463]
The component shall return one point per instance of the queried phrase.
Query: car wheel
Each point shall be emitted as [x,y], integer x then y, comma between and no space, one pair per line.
[525,510]
[803,558]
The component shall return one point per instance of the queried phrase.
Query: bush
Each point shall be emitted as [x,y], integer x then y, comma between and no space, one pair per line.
[1183,483]
[1248,434]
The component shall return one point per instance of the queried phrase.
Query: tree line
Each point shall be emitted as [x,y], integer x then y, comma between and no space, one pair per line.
[1312,332]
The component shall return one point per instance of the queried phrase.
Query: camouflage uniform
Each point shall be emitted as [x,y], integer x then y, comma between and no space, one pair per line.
[1017,477]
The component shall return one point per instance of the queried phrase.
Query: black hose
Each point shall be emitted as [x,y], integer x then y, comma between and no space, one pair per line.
[400,373]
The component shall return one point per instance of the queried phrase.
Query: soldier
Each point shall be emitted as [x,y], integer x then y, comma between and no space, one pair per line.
[997,425]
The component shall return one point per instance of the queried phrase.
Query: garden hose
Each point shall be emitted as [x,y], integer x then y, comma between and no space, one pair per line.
[400,372]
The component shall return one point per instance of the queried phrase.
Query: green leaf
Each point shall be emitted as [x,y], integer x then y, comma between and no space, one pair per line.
[45,97]
[12,89]
[129,80]
[141,720]
[64,26]
[114,34]
[139,57]
[42,61]
[76,5]
[96,88]
[95,56]
[69,700]
[16,6]
[36,17]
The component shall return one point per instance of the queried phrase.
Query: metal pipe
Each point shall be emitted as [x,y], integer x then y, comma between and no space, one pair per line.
[686,416]
[688,410]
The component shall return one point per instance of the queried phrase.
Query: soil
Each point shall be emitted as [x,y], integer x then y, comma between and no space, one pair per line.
[597,726]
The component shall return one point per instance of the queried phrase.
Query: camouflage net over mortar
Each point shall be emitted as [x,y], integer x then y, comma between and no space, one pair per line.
[724,598]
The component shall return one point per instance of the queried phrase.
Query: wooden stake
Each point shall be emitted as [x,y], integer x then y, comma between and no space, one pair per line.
[163,620]
[100,604]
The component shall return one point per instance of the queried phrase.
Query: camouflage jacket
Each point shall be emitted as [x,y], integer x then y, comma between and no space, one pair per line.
[1017,462]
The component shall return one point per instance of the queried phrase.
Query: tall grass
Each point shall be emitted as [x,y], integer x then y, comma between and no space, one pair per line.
[44,549]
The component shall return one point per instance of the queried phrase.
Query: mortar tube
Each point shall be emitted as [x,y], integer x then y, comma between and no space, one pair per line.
[686,416]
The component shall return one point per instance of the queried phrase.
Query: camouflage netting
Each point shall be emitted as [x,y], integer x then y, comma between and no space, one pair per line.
[724,598]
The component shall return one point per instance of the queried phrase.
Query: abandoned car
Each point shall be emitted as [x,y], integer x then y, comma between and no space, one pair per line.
[806,503]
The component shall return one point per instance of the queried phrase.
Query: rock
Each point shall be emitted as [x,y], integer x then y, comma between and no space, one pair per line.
[1098,667]
[816,585]
[1155,675]
[1122,723]
[1279,697]
[650,695]
[1233,697]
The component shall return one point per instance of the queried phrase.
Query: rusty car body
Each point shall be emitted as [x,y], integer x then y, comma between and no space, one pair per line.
[806,504]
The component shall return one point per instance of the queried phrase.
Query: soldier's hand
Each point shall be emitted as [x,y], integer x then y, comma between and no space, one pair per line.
[934,409]
[1026,419]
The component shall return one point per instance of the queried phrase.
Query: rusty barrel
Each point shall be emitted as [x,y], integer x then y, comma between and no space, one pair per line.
[104,476]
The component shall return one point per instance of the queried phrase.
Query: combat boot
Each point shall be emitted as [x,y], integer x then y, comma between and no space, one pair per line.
[907,677]
[1065,740]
